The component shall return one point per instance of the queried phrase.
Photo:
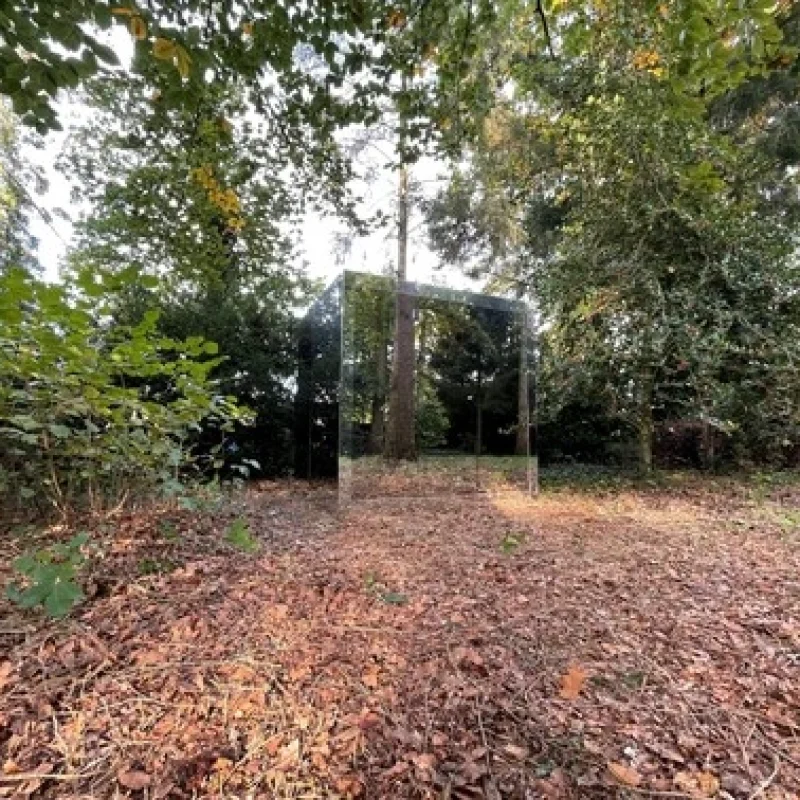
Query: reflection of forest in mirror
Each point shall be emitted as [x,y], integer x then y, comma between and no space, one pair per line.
[471,410]
[316,434]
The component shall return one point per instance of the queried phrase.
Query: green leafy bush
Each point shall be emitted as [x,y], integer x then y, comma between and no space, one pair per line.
[93,413]
[48,578]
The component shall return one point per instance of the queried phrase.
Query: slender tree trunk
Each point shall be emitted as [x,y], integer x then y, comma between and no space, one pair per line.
[523,398]
[400,438]
[378,422]
[422,318]
[707,444]
[644,422]
[479,427]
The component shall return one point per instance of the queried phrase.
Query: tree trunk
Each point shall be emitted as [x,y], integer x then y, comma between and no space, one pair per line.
[707,444]
[400,438]
[644,423]
[522,447]
[479,427]
[377,429]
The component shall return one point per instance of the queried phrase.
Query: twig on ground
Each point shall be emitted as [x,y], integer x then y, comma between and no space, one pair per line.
[21,777]
[767,782]
[657,792]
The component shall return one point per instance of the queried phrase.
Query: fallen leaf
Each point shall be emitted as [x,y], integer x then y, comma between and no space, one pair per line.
[473,771]
[350,786]
[6,669]
[368,720]
[468,657]
[273,744]
[370,678]
[288,756]
[425,761]
[624,775]
[572,682]
[134,779]
[400,768]
[707,783]
[515,751]
[698,784]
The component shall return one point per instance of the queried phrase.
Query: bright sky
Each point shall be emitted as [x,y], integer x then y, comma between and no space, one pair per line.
[374,253]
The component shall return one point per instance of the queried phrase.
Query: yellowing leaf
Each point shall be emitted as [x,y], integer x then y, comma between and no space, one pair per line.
[396,18]
[572,682]
[624,775]
[247,28]
[123,12]
[138,28]
[163,49]
[646,59]
[184,63]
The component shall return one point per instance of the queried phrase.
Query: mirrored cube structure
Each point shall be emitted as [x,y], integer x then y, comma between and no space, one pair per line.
[415,390]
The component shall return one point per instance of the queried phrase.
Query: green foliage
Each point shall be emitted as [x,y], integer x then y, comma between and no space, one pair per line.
[92,413]
[393,598]
[155,566]
[202,202]
[168,530]
[374,586]
[431,418]
[652,239]
[511,542]
[240,537]
[18,180]
[49,577]
[47,47]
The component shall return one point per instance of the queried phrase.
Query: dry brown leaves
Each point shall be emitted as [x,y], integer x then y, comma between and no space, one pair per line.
[621,650]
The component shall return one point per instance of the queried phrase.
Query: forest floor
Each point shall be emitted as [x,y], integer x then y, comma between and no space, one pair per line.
[578,645]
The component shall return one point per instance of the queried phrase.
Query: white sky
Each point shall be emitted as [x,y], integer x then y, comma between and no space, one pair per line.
[374,253]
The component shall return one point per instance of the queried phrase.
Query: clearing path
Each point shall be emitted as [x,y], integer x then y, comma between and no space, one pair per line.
[468,647]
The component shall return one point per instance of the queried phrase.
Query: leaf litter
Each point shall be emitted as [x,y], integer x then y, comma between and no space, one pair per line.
[632,645]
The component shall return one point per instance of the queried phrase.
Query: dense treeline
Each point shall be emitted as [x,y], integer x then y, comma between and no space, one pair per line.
[652,223]
[629,170]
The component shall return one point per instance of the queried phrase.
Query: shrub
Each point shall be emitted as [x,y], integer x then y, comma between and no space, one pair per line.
[92,413]
[48,577]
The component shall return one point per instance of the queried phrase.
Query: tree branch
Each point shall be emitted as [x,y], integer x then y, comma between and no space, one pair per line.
[543,17]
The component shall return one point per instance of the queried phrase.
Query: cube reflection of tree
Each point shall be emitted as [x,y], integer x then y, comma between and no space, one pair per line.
[470,372]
